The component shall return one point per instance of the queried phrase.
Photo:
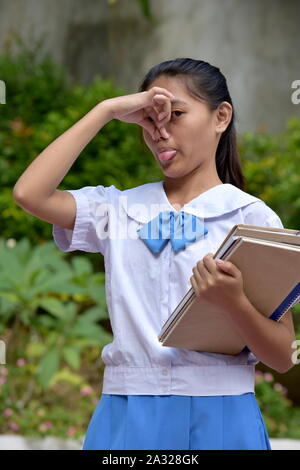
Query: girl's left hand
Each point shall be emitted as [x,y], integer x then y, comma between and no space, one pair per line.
[221,284]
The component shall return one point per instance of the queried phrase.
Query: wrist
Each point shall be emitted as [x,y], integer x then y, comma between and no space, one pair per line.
[242,303]
[106,108]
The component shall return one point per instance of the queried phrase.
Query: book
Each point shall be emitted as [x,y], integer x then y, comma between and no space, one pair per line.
[269,260]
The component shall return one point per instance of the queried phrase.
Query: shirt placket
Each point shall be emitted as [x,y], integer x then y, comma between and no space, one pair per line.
[165,273]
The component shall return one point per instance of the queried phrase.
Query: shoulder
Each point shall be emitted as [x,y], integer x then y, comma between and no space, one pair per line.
[255,211]
[98,191]
[259,213]
[92,196]
[225,198]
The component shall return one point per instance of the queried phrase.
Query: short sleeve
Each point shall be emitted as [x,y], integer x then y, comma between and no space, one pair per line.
[92,217]
[259,213]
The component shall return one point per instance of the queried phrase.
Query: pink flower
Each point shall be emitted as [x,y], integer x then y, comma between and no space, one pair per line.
[3,371]
[87,390]
[277,386]
[2,380]
[43,427]
[258,378]
[21,362]
[71,431]
[268,377]
[7,412]
[259,372]
[13,425]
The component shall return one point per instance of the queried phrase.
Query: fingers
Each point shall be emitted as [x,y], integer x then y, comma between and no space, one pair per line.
[158,90]
[163,110]
[197,274]
[229,268]
[157,128]
[205,269]
[163,114]
[159,112]
[146,124]
[210,263]
[195,287]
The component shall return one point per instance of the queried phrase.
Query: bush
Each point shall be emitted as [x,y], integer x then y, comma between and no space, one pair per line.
[42,103]
[272,169]
[54,322]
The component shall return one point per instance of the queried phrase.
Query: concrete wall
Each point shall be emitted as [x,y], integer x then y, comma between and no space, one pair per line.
[254,42]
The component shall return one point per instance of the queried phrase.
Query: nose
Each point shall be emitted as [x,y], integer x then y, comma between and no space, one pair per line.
[163,134]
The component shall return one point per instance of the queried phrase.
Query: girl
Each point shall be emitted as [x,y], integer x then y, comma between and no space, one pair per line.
[156,397]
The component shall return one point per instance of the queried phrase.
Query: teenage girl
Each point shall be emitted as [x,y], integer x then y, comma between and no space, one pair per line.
[157,397]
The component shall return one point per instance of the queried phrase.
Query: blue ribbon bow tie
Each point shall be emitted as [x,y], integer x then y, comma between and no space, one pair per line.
[180,227]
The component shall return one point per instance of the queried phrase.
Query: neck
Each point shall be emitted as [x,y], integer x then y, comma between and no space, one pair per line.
[182,190]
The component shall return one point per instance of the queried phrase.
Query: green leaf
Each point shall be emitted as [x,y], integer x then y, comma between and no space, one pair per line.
[71,356]
[35,349]
[52,305]
[47,367]
[93,314]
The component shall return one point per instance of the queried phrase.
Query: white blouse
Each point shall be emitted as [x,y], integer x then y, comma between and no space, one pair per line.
[142,288]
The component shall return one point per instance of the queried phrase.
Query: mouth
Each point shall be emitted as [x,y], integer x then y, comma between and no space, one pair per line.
[166,154]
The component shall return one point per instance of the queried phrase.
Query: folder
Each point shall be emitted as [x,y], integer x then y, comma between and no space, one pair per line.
[269,260]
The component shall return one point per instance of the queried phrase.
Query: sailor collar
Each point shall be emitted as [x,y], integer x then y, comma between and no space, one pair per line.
[144,202]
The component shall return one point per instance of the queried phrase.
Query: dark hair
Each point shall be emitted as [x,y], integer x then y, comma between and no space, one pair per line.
[206,82]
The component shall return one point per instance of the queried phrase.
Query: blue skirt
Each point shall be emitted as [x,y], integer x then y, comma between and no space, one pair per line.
[175,422]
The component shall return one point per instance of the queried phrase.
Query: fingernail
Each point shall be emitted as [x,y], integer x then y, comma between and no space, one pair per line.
[219,261]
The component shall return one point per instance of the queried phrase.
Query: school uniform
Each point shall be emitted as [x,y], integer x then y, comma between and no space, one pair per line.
[153,396]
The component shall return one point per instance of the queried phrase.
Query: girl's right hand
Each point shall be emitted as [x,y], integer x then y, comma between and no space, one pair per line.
[138,107]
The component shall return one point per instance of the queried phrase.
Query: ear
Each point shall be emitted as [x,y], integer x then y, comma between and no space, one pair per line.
[223,116]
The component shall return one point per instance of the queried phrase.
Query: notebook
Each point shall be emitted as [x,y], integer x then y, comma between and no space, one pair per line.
[269,259]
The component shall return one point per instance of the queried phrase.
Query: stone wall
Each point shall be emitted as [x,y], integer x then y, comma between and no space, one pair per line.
[255,43]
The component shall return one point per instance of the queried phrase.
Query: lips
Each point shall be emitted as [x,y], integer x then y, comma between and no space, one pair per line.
[166,153]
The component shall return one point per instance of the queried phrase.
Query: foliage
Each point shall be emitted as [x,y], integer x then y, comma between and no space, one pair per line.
[42,103]
[281,418]
[54,323]
[44,295]
[272,168]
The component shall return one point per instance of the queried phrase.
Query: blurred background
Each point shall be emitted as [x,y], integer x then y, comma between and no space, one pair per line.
[58,59]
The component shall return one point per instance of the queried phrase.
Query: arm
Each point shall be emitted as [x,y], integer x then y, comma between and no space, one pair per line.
[269,340]
[221,282]
[35,191]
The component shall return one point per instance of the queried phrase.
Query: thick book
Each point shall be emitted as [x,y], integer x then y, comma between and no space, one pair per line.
[269,260]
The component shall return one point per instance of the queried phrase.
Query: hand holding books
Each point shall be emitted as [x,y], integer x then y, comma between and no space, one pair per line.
[269,260]
[217,281]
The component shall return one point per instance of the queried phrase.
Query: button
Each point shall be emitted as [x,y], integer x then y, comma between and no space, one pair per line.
[164,372]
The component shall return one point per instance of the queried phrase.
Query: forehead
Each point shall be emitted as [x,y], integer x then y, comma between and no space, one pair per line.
[178,101]
[177,88]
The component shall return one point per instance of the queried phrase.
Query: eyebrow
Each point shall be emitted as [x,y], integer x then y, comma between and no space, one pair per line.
[177,101]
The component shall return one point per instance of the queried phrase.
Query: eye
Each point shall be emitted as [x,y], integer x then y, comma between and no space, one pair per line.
[177,112]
